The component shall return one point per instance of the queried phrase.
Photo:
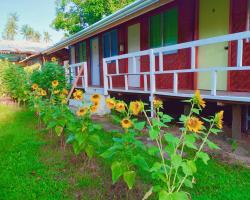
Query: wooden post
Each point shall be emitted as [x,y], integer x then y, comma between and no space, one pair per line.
[105,78]
[236,121]
[152,81]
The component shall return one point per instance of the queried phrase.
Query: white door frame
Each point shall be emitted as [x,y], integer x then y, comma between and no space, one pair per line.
[95,63]
[134,45]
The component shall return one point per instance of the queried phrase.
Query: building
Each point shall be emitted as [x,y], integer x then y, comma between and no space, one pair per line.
[16,50]
[170,48]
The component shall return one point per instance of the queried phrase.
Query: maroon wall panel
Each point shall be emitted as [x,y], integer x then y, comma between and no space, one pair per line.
[239,81]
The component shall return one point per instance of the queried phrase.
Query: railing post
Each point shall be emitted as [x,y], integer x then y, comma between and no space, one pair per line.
[239,53]
[117,66]
[126,82]
[152,81]
[105,78]
[193,58]
[85,75]
[134,64]
[175,83]
[145,82]
[214,83]
[161,62]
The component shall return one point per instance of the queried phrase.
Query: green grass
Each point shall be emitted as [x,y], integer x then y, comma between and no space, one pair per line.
[32,166]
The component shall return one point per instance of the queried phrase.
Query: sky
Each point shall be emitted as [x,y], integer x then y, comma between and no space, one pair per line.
[36,13]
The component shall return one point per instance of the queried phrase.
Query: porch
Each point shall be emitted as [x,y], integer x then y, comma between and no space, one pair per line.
[160,79]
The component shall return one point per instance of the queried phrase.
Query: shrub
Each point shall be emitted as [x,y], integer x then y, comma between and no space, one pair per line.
[14,81]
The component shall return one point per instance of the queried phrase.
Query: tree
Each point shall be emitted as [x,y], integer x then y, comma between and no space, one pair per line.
[27,32]
[46,37]
[75,15]
[36,37]
[11,27]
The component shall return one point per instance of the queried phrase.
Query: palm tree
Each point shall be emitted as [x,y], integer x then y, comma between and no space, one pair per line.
[46,37]
[11,27]
[36,36]
[27,32]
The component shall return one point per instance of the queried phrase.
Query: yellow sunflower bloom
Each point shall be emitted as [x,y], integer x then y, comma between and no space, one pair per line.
[135,107]
[56,92]
[95,98]
[82,111]
[34,86]
[78,95]
[43,93]
[219,119]
[194,124]
[55,83]
[65,91]
[120,107]
[126,123]
[158,103]
[110,103]
[64,101]
[53,59]
[94,108]
[198,99]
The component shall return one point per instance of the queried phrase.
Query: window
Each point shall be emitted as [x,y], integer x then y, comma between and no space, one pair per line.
[110,44]
[81,53]
[164,28]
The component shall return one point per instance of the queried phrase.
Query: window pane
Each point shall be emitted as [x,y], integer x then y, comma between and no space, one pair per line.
[114,43]
[84,49]
[170,24]
[155,31]
[106,45]
[80,52]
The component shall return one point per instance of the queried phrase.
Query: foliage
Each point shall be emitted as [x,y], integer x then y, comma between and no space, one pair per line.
[14,81]
[11,27]
[30,34]
[49,71]
[74,15]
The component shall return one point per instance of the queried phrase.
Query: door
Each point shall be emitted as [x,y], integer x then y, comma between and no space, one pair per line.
[95,64]
[134,45]
[213,21]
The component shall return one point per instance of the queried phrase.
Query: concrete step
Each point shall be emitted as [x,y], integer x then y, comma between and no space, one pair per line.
[102,110]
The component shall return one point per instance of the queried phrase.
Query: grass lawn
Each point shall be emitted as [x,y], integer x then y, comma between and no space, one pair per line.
[32,166]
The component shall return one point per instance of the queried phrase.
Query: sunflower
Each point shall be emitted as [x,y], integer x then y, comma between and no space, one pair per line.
[95,98]
[56,91]
[34,86]
[94,108]
[136,107]
[198,99]
[53,59]
[78,95]
[55,83]
[62,96]
[43,93]
[64,101]
[82,111]
[194,124]
[120,106]
[158,103]
[126,123]
[65,91]
[219,119]
[110,103]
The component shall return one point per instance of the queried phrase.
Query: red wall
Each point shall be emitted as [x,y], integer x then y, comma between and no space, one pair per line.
[239,81]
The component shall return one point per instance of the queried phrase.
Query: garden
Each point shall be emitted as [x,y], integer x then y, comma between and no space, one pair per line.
[51,151]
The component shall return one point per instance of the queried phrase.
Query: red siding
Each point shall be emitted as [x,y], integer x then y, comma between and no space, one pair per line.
[239,81]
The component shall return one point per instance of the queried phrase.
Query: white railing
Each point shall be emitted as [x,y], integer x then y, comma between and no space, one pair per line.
[152,53]
[82,78]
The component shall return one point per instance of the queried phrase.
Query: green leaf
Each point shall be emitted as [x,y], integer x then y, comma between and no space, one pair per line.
[212,145]
[89,151]
[58,130]
[180,196]
[188,183]
[129,178]
[203,156]
[176,160]
[140,161]
[153,133]
[170,138]
[153,150]
[215,131]
[196,111]
[186,169]
[190,141]
[117,171]
[163,195]
[139,125]
[192,166]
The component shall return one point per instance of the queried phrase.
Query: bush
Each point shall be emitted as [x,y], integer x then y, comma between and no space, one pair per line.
[49,71]
[14,81]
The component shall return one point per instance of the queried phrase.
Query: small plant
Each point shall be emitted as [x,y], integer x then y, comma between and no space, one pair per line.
[175,155]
